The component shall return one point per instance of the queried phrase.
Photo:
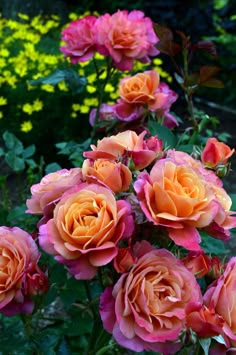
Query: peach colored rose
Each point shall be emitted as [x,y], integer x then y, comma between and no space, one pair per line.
[114,175]
[216,153]
[141,89]
[221,295]
[79,40]
[203,320]
[126,37]
[145,310]
[51,188]
[198,263]
[127,145]
[177,197]
[86,226]
[223,220]
[18,258]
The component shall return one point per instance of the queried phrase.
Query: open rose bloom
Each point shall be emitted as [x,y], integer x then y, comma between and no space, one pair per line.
[178,196]
[20,276]
[123,36]
[145,310]
[86,226]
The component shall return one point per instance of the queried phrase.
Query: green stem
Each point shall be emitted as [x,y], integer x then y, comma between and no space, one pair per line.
[101,87]
[87,289]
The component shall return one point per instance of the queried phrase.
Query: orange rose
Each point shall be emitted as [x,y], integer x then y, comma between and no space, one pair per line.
[87,224]
[127,145]
[177,197]
[141,89]
[116,176]
[216,153]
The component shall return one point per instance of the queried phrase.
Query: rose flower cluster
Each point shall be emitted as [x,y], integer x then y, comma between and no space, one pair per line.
[123,36]
[129,192]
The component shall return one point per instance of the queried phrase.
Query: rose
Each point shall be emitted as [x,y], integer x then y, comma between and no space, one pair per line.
[114,175]
[145,310]
[18,256]
[79,40]
[51,188]
[223,220]
[221,296]
[203,320]
[125,37]
[86,226]
[127,145]
[141,89]
[198,263]
[216,153]
[171,96]
[177,196]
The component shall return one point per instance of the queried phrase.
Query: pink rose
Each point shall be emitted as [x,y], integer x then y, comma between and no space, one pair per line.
[171,96]
[106,113]
[79,40]
[127,145]
[125,37]
[221,296]
[51,188]
[177,197]
[87,224]
[19,255]
[145,310]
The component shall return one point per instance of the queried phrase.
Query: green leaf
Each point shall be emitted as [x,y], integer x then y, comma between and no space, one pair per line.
[52,79]
[12,143]
[75,82]
[212,245]
[205,344]
[219,338]
[31,163]
[63,348]
[15,162]
[164,133]
[52,167]
[1,152]
[29,151]
[16,213]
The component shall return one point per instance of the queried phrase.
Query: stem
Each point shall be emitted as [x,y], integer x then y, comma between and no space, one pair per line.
[101,86]
[90,299]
